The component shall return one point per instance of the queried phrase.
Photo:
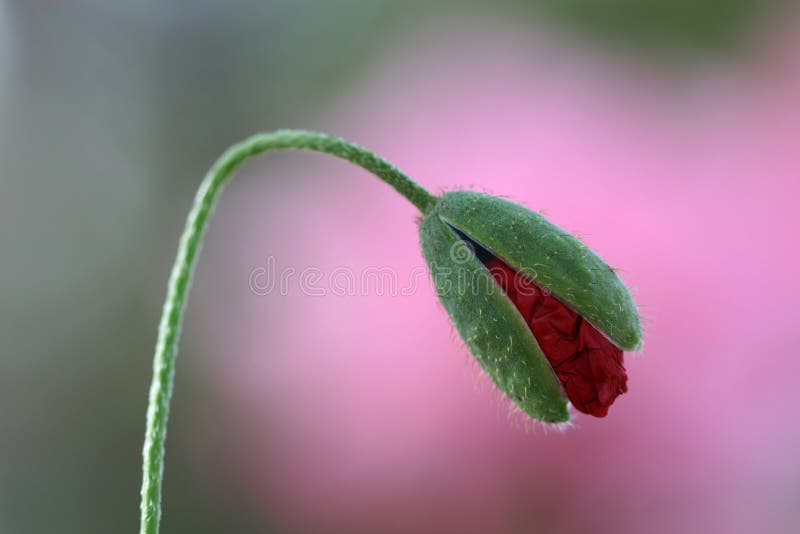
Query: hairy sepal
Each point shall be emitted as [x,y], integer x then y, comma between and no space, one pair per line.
[553,258]
[489,324]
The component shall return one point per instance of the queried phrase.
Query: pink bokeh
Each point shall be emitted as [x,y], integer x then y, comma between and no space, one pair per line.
[364,413]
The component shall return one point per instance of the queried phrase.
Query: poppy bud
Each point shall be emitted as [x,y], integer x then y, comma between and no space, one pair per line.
[556,330]
[544,316]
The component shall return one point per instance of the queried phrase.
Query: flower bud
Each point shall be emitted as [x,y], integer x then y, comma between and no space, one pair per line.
[544,316]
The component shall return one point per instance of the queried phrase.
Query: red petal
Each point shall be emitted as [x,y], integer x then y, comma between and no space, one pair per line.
[588,365]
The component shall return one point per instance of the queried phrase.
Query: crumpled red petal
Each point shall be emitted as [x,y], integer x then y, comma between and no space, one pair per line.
[588,365]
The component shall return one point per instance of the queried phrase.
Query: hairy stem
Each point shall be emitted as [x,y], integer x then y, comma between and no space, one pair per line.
[180,279]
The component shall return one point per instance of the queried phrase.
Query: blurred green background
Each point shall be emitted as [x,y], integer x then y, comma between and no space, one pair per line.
[112,110]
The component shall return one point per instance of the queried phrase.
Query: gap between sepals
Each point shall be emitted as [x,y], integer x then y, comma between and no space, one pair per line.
[585,361]
[485,255]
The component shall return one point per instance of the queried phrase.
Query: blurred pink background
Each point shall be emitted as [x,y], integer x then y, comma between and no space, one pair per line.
[365,413]
[666,134]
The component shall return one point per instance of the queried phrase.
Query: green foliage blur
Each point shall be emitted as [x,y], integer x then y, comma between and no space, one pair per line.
[677,27]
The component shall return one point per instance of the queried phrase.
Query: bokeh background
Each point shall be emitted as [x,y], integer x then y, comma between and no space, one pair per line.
[666,134]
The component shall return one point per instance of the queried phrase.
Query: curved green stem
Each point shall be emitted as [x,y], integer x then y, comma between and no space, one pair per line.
[180,279]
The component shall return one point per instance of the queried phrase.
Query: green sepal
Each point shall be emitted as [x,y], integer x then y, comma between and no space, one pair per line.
[490,325]
[552,257]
